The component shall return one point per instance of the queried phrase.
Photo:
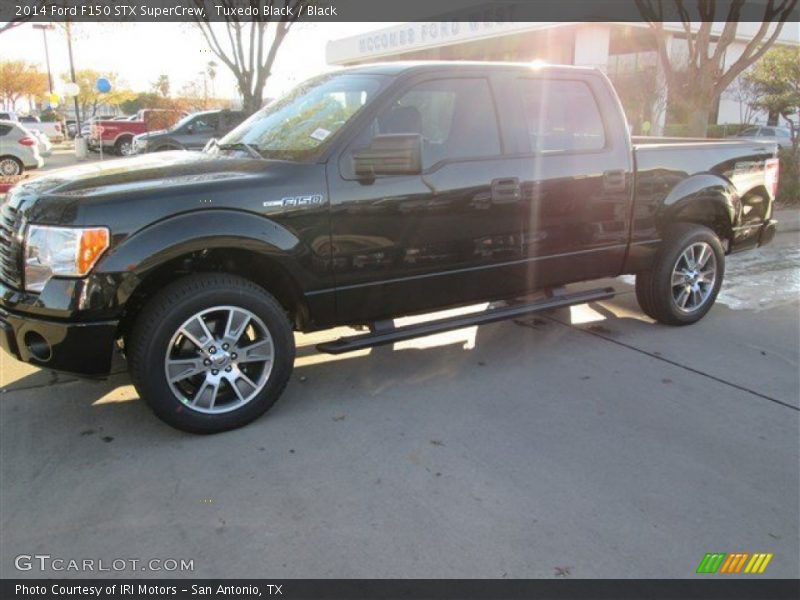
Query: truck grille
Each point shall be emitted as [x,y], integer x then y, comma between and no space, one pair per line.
[10,258]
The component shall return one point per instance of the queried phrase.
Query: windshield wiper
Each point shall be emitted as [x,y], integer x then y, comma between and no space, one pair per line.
[252,149]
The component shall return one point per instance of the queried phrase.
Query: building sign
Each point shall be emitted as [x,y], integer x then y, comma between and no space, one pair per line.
[418,36]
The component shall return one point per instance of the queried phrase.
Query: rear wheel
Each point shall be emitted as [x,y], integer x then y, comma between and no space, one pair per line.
[10,166]
[211,352]
[686,277]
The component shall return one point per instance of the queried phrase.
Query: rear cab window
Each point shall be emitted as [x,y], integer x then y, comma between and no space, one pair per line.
[561,116]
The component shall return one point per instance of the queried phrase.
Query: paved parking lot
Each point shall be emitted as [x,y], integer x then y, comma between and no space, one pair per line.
[586,442]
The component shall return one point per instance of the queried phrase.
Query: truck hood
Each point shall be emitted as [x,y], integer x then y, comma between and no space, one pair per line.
[149,134]
[143,173]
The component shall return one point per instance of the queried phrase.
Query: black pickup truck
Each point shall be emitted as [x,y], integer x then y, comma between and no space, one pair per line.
[364,195]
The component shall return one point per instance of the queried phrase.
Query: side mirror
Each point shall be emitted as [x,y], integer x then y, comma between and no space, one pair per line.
[389,154]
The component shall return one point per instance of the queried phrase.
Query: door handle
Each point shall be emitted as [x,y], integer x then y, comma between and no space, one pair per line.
[614,181]
[506,190]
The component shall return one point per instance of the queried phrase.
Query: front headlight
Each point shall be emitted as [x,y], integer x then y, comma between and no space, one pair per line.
[64,251]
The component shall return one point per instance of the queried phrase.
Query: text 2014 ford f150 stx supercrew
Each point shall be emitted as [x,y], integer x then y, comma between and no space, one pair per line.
[363,195]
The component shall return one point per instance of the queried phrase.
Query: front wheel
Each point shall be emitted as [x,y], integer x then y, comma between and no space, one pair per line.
[211,352]
[685,278]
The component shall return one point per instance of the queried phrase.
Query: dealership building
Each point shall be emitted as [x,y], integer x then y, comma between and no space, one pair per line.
[626,52]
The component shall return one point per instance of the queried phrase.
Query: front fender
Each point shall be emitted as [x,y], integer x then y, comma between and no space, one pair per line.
[132,259]
[190,232]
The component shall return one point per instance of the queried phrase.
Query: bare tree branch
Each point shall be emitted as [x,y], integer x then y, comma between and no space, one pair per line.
[700,82]
[244,53]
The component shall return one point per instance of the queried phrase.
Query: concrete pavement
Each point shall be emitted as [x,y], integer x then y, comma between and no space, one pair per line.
[586,442]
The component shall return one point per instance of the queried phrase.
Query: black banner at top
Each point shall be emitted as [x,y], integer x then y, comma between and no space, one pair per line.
[398,10]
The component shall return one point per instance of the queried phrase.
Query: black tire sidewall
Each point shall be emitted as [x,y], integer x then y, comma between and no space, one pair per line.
[679,239]
[150,379]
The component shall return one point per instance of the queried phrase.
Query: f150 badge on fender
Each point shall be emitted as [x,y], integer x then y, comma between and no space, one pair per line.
[294,201]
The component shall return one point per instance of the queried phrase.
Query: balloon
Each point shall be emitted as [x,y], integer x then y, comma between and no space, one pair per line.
[103,85]
[53,100]
[71,89]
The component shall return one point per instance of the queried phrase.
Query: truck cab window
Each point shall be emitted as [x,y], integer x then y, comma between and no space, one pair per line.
[455,117]
[562,116]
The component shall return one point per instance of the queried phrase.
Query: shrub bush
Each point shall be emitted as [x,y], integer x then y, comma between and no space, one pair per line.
[723,131]
[789,185]
[713,131]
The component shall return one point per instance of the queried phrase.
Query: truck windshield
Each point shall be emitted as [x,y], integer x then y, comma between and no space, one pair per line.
[298,126]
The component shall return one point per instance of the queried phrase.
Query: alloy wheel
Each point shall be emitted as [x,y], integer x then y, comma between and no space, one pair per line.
[9,167]
[693,277]
[219,359]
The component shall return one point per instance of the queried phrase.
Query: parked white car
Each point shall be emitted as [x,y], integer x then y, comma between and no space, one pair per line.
[52,129]
[19,149]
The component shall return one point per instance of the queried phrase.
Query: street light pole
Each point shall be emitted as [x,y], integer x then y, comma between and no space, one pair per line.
[44,29]
[72,74]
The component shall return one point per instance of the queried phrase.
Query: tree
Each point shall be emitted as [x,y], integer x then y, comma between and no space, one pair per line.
[247,48]
[776,80]
[696,79]
[162,86]
[744,93]
[20,79]
[211,71]
[90,99]
[144,100]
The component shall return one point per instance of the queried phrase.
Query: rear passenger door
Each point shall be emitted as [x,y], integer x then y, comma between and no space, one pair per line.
[576,177]
[451,235]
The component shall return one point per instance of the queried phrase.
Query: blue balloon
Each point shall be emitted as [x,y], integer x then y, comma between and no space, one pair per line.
[103,85]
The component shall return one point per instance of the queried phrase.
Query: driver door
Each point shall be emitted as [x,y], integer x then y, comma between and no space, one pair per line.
[196,134]
[447,236]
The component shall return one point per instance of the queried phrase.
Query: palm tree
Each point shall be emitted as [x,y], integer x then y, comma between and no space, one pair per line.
[211,70]
[161,85]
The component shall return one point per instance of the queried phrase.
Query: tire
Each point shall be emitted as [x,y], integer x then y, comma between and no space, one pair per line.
[675,293]
[10,166]
[165,340]
[124,146]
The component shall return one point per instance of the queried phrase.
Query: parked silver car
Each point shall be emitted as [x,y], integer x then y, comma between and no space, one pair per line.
[781,135]
[19,149]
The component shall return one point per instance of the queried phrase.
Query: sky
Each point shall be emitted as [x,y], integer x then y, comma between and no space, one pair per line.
[140,52]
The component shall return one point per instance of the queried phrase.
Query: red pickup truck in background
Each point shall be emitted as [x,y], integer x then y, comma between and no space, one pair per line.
[118,135]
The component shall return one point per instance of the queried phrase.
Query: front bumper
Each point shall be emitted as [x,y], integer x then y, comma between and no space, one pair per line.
[82,348]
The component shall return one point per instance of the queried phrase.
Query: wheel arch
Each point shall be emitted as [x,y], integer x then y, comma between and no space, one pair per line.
[213,241]
[705,199]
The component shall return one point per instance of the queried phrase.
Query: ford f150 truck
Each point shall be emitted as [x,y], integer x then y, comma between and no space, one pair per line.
[364,195]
